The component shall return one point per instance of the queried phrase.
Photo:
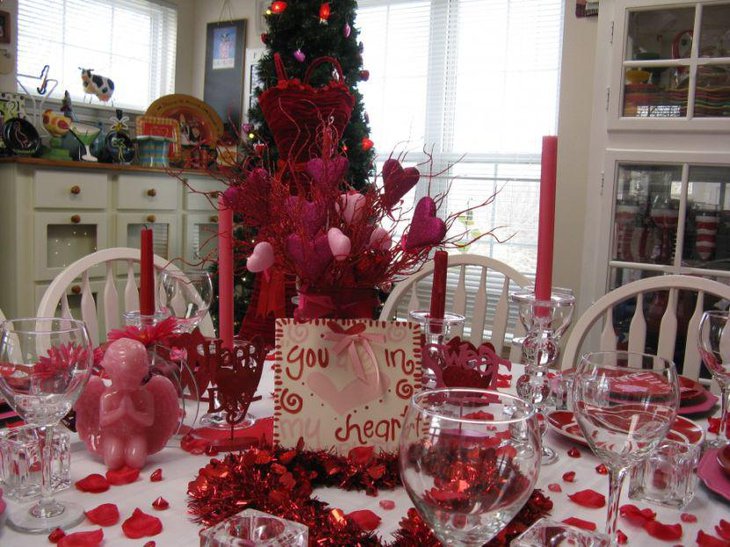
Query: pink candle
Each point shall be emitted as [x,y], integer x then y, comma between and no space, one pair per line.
[147,274]
[438,289]
[546,226]
[225,273]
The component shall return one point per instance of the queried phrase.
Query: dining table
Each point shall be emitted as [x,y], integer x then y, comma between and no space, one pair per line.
[180,467]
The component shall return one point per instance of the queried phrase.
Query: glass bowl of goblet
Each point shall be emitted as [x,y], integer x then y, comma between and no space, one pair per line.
[186,295]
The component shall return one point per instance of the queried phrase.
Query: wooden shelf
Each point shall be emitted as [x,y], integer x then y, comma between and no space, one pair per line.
[98,166]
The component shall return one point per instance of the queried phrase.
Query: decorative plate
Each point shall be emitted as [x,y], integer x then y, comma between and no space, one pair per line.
[21,137]
[723,458]
[199,123]
[563,423]
[712,475]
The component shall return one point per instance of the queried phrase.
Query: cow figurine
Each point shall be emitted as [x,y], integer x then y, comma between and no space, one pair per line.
[101,86]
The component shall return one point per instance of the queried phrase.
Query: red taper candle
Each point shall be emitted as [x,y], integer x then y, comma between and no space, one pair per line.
[546,226]
[147,274]
[225,273]
[438,289]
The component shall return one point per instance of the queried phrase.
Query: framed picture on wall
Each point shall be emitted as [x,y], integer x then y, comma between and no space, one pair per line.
[4,27]
[224,70]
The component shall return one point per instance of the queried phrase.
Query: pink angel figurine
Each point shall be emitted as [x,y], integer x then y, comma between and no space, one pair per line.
[126,421]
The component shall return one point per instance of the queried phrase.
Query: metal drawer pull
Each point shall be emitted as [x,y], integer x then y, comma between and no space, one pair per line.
[151,192]
[76,219]
[76,189]
[151,218]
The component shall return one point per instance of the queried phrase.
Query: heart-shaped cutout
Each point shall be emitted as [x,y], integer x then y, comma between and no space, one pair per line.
[353,395]
[327,173]
[397,182]
[426,228]
[262,257]
[340,244]
[312,257]
[311,216]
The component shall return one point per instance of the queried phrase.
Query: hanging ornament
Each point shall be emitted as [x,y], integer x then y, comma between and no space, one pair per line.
[364,75]
[346,30]
[324,13]
[265,38]
[247,127]
[278,7]
[299,55]
[367,144]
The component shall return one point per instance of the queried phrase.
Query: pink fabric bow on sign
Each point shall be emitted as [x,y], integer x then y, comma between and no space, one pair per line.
[348,339]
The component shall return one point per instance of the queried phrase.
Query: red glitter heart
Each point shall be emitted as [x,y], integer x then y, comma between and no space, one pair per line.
[426,228]
[574,453]
[156,475]
[397,182]
[569,476]
[160,504]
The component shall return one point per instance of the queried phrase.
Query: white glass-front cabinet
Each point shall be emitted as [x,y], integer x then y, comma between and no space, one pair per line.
[659,180]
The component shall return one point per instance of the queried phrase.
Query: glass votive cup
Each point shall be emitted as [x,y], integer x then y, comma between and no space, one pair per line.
[668,476]
[254,528]
[549,532]
[20,466]
[562,385]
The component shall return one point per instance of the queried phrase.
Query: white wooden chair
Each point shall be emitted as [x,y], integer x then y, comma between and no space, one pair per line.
[487,309]
[686,297]
[109,300]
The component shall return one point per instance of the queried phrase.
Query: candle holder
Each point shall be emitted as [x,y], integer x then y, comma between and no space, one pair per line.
[435,332]
[545,322]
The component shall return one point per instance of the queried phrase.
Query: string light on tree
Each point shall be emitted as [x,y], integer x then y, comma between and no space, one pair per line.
[367,144]
[278,7]
[324,13]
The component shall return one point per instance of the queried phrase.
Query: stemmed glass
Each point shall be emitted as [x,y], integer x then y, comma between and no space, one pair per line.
[186,295]
[469,459]
[625,404]
[46,363]
[714,346]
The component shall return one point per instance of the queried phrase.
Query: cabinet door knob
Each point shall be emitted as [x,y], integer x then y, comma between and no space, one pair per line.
[76,189]
[214,218]
[151,218]
[76,219]
[76,289]
[151,192]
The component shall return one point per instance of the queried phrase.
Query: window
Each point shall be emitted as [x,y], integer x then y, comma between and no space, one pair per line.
[471,78]
[132,42]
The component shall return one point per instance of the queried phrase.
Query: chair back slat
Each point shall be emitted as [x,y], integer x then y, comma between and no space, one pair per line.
[414,304]
[608,334]
[88,309]
[131,293]
[459,302]
[111,300]
[668,328]
[637,327]
[65,310]
[692,359]
[501,316]
[479,313]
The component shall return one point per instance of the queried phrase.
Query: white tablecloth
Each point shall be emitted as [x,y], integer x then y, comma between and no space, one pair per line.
[180,467]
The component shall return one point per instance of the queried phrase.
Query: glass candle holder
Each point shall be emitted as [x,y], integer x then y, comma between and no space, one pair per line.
[20,466]
[435,333]
[255,528]
[549,532]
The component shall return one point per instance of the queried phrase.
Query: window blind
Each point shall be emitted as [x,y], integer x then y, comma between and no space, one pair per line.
[133,42]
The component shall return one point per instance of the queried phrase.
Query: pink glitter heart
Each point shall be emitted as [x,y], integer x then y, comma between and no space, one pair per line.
[426,228]
[397,182]
[327,173]
[309,215]
[311,257]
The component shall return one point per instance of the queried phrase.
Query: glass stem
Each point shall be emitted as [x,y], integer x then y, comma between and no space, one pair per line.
[616,482]
[46,506]
[724,408]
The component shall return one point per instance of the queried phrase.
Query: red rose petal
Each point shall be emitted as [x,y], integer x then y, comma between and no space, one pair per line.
[123,475]
[554,487]
[687,517]
[387,504]
[588,498]
[574,452]
[601,469]
[141,524]
[150,544]
[365,519]
[160,504]
[106,514]
[706,540]
[360,455]
[621,537]
[82,539]
[666,532]
[156,475]
[580,523]
[723,529]
[94,483]
[56,535]
[569,476]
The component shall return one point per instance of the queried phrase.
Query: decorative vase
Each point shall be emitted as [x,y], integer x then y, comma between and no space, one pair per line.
[336,303]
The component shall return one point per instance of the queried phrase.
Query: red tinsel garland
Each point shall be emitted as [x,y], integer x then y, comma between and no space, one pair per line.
[280,481]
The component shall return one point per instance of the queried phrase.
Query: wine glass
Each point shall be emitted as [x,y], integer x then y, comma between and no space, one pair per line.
[469,459]
[714,346]
[186,295]
[625,404]
[46,364]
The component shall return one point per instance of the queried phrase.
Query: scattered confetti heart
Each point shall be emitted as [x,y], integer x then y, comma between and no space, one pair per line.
[56,535]
[156,475]
[554,487]
[666,532]
[150,544]
[365,519]
[580,523]
[688,517]
[94,483]
[569,476]
[706,540]
[574,452]
[123,475]
[589,498]
[82,539]
[601,469]
[141,524]
[622,538]
[387,504]
[160,504]
[723,529]
[106,514]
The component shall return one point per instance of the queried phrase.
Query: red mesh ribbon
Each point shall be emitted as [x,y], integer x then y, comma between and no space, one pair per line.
[296,112]
[336,303]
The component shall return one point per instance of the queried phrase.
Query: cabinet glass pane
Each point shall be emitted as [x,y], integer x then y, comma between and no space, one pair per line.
[205,240]
[660,34]
[160,237]
[712,95]
[652,93]
[715,31]
[66,243]
[707,232]
[646,213]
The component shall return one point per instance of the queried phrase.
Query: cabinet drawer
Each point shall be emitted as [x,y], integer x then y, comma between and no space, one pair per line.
[195,198]
[146,192]
[69,189]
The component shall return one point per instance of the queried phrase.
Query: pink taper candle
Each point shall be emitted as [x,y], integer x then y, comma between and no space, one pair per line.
[146,274]
[225,273]
[546,226]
